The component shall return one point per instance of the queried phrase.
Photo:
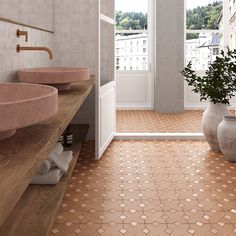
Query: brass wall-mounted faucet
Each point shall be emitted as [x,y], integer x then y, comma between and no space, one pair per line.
[20,33]
[19,49]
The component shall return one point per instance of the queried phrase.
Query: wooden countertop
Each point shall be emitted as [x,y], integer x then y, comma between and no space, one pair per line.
[22,154]
[36,210]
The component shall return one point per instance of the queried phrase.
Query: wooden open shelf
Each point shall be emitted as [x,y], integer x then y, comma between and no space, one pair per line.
[35,212]
[22,155]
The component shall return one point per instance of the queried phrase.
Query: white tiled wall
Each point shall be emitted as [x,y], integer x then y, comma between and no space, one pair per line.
[11,61]
[76,45]
[75,33]
[38,13]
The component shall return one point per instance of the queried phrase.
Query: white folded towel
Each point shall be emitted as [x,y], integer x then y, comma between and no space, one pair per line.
[51,178]
[45,167]
[58,149]
[68,156]
[59,162]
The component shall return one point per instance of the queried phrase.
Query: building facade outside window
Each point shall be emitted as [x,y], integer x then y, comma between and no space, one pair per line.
[135,53]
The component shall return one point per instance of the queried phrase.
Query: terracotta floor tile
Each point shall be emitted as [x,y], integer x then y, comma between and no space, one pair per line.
[200,229]
[89,229]
[226,229]
[151,121]
[157,229]
[150,188]
[72,216]
[149,193]
[133,217]
[132,204]
[110,217]
[112,194]
[136,230]
[111,229]
[196,217]
[178,229]
[149,204]
[154,217]
[112,204]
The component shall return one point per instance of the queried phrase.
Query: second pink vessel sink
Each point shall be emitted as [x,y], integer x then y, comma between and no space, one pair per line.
[59,77]
[22,105]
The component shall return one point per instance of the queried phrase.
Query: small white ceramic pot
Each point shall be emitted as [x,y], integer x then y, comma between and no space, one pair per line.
[227,137]
[211,118]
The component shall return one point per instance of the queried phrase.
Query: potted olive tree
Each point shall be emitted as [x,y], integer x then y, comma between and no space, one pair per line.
[218,86]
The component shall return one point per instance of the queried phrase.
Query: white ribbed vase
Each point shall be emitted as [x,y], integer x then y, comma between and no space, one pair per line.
[211,118]
[227,137]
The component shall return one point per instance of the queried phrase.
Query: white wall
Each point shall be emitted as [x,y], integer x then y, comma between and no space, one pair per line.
[10,60]
[37,13]
[133,90]
[75,43]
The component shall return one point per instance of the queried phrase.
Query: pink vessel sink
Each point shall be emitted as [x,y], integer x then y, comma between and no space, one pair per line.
[22,105]
[59,77]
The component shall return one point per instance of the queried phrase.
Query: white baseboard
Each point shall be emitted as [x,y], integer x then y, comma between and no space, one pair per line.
[133,106]
[160,136]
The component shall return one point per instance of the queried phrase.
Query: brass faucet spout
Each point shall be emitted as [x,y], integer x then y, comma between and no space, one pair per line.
[19,49]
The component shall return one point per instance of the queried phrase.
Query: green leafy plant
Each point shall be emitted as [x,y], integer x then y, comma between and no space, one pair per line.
[219,82]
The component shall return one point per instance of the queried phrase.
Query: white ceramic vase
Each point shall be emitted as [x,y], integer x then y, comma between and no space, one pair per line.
[227,137]
[212,117]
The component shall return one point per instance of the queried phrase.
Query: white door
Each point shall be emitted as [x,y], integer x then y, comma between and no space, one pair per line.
[106,86]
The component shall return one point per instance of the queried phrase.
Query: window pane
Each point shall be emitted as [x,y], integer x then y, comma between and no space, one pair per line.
[203,14]
[132,51]
[202,49]
[130,15]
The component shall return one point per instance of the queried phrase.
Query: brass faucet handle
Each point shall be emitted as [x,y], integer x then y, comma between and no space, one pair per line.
[20,33]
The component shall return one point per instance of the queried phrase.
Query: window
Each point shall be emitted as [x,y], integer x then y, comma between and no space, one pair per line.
[202,34]
[216,51]
[131,57]
[131,33]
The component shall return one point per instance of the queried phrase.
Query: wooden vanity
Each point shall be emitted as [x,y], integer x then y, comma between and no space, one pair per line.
[29,210]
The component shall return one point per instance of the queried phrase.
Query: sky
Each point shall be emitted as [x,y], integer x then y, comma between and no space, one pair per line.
[141,5]
[132,5]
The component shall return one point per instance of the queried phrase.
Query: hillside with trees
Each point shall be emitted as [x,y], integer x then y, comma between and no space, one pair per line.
[131,20]
[204,17]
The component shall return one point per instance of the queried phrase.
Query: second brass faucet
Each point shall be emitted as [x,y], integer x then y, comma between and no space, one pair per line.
[22,33]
